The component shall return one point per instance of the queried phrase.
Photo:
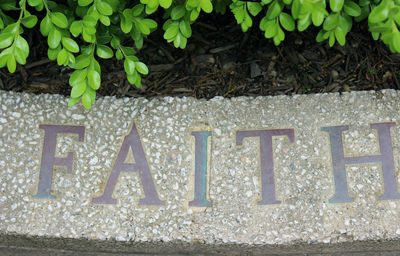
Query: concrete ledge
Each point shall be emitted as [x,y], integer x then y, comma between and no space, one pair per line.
[266,175]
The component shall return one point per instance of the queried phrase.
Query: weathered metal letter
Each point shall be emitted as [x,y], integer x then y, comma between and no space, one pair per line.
[49,160]
[200,173]
[132,140]
[266,159]
[339,162]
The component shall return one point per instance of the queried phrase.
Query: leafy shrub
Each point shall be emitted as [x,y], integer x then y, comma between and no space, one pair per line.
[79,32]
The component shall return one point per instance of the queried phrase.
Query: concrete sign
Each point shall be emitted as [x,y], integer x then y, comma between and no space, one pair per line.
[316,173]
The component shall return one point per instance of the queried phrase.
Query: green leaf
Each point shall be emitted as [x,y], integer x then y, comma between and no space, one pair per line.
[178,12]
[150,23]
[22,44]
[84,2]
[88,37]
[142,27]
[296,7]
[82,61]
[317,18]
[53,53]
[381,28]
[137,9]
[336,5]
[274,10]
[78,76]
[345,22]
[303,23]
[92,93]
[71,58]
[29,21]
[87,100]
[11,28]
[132,78]
[129,65]
[171,31]
[34,3]
[105,20]
[352,8]
[59,19]
[183,42]
[40,7]
[270,29]
[165,3]
[8,5]
[4,59]
[20,56]
[331,38]
[238,11]
[96,66]
[118,55]
[46,25]
[396,41]
[263,23]
[104,8]
[184,27]
[94,79]
[78,89]
[73,101]
[254,8]
[126,24]
[206,5]
[379,13]
[129,51]
[62,57]
[54,38]
[194,15]
[104,52]
[70,44]
[320,36]
[280,34]
[6,40]
[340,36]
[364,14]
[141,68]
[11,64]
[287,21]
[330,22]
[89,21]
[177,40]
[76,28]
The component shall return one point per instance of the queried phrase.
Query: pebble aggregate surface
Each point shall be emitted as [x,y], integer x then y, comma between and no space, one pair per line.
[303,170]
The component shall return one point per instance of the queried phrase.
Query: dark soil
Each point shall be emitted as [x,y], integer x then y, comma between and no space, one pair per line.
[221,60]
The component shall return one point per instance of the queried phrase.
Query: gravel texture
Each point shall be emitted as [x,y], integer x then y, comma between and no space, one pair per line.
[304,178]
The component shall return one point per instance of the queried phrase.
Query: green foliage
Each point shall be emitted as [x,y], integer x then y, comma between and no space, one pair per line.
[80,32]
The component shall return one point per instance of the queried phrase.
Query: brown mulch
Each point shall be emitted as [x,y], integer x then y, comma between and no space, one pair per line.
[221,60]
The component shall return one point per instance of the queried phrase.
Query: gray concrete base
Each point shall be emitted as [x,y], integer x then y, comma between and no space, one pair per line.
[308,174]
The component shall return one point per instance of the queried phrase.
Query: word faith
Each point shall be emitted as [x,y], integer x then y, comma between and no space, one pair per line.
[200,199]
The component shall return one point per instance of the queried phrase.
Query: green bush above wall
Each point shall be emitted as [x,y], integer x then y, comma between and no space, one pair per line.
[79,32]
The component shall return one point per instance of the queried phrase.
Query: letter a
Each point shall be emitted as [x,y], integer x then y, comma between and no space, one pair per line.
[131,141]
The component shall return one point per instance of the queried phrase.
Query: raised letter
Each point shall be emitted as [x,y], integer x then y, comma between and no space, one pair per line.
[132,141]
[267,159]
[48,156]
[339,162]
[200,170]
